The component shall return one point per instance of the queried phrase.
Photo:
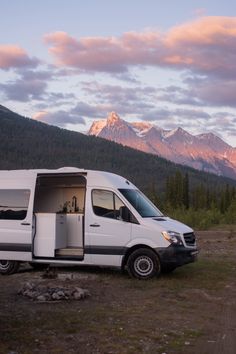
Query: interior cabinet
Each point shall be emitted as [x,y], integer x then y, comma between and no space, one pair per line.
[74,223]
[50,234]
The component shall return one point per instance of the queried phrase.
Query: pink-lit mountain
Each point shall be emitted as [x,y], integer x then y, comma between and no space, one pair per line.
[205,152]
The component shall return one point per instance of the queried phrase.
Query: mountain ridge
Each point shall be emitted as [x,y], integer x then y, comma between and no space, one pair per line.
[206,152]
[27,144]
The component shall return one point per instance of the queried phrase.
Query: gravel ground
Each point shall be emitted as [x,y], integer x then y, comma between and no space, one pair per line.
[192,310]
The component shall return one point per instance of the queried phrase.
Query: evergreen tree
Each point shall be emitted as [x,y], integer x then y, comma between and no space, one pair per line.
[186,191]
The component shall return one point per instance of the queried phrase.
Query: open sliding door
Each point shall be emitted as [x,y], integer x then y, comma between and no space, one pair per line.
[59,216]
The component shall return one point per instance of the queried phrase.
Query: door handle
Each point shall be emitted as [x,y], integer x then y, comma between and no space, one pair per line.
[25,223]
[94,225]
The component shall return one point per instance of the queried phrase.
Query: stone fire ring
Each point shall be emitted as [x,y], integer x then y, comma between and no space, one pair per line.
[43,293]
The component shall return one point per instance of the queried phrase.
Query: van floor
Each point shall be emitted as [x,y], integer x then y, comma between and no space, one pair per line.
[70,251]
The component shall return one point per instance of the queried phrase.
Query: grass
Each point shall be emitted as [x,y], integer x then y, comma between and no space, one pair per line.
[124,315]
[224,227]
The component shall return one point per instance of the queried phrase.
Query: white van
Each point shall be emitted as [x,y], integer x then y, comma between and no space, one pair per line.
[76,216]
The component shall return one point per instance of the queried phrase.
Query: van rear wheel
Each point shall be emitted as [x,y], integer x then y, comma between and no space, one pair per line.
[8,267]
[143,264]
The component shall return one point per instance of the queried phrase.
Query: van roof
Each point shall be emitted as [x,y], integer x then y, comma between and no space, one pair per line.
[94,178]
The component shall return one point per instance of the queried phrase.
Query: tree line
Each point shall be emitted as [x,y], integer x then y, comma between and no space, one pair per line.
[199,206]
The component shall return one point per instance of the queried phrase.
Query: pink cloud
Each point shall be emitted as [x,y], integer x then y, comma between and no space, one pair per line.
[102,54]
[12,56]
[206,45]
[41,115]
[60,118]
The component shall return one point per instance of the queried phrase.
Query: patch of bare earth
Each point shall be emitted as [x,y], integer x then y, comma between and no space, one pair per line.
[192,310]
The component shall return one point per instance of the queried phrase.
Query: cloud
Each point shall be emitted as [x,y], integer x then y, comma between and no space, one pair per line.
[24,91]
[90,110]
[195,46]
[60,118]
[30,85]
[125,100]
[214,92]
[178,114]
[12,56]
[180,95]
[33,85]
[200,91]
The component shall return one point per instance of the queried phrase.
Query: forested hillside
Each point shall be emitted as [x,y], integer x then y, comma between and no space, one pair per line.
[25,143]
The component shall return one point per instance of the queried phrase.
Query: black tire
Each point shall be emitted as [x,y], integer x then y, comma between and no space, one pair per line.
[39,266]
[143,264]
[8,267]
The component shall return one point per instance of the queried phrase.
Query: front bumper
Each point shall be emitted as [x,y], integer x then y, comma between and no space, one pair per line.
[176,256]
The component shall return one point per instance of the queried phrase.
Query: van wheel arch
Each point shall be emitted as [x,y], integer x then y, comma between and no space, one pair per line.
[136,253]
[8,267]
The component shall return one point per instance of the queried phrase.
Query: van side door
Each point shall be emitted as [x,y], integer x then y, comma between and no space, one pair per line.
[106,233]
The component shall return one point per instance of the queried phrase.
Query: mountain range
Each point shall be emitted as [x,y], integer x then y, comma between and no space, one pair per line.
[205,152]
[26,143]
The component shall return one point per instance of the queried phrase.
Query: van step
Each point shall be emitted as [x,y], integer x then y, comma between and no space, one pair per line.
[70,251]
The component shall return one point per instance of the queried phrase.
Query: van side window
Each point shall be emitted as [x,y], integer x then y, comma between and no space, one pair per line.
[14,204]
[106,204]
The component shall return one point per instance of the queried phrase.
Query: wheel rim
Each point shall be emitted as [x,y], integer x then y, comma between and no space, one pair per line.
[143,266]
[4,265]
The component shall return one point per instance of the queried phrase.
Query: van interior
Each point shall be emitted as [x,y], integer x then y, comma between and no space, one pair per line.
[59,216]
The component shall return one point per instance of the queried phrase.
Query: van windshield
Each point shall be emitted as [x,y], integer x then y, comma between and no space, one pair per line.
[141,203]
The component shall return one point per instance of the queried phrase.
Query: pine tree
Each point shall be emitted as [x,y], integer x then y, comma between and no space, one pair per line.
[186,191]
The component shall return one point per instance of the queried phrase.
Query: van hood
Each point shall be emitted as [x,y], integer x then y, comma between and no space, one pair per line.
[167,224]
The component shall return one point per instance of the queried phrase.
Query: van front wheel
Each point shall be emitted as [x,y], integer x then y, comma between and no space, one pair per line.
[143,264]
[8,267]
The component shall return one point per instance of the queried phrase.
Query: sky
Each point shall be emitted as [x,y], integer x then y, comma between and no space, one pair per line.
[172,63]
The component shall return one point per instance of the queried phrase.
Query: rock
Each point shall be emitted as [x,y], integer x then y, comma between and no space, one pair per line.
[77,295]
[41,298]
[46,293]
[28,286]
[61,293]
[55,296]
[65,276]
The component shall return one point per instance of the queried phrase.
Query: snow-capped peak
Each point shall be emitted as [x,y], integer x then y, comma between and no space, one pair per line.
[97,126]
[141,128]
[113,118]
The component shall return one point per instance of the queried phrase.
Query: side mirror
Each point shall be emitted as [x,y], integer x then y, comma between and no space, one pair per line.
[124,213]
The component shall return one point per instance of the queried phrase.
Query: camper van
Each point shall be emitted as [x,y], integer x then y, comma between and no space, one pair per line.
[84,217]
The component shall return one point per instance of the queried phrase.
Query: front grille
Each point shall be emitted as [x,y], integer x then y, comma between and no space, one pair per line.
[189,239]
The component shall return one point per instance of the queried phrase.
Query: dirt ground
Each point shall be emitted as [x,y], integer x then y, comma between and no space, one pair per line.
[192,310]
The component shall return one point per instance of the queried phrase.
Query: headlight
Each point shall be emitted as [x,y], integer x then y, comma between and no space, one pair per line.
[172,237]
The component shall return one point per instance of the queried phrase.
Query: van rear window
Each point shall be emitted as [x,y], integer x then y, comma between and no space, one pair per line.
[14,204]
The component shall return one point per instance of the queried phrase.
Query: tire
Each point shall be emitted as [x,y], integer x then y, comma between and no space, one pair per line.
[143,264]
[39,266]
[8,267]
